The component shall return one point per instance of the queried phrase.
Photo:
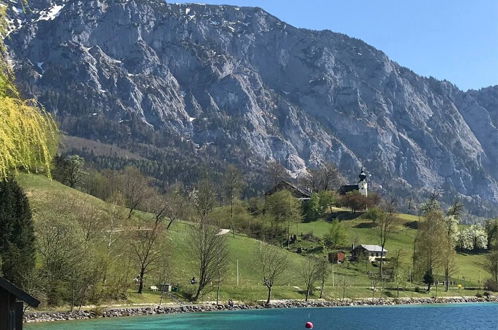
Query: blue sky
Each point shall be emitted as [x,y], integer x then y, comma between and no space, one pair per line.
[455,40]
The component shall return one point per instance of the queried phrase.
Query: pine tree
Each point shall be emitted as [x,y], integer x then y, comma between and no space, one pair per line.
[17,249]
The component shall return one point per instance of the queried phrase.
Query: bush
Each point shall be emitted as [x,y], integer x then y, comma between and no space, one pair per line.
[491,285]
[417,289]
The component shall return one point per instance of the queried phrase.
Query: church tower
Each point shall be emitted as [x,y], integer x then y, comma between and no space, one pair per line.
[362,184]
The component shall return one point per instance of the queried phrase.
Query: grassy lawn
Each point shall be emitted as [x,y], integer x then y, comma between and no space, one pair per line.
[45,194]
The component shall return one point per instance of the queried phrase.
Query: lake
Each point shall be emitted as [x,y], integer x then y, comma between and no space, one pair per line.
[451,316]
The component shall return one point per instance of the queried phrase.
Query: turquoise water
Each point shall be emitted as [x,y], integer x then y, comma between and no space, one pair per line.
[455,316]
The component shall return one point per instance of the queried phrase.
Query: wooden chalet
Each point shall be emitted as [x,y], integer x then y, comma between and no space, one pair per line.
[372,252]
[12,300]
[297,192]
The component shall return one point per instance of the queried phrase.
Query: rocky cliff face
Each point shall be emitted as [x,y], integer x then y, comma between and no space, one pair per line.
[239,85]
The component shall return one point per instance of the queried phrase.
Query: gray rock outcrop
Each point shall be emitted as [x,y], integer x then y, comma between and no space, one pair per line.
[239,85]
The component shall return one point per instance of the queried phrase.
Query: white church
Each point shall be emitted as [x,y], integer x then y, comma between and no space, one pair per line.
[362,185]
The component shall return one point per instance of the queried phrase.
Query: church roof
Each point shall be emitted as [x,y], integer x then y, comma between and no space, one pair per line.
[348,188]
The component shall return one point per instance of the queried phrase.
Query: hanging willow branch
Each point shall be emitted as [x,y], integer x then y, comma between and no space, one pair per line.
[28,135]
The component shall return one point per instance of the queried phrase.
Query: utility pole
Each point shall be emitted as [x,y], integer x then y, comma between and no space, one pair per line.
[237,272]
[333,279]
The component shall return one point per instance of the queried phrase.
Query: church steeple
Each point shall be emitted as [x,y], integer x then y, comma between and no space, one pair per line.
[362,184]
[362,175]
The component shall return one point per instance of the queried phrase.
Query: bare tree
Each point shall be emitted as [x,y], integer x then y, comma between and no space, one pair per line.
[144,240]
[204,199]
[135,188]
[326,177]
[273,262]
[448,255]
[210,251]
[398,271]
[385,225]
[310,272]
[276,172]
[456,209]
[344,284]
[176,206]
[323,273]
[232,188]
[448,245]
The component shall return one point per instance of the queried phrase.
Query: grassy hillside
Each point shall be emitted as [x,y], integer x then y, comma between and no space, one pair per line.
[45,196]
[360,231]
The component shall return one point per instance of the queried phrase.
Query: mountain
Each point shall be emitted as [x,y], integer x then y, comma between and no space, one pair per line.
[183,85]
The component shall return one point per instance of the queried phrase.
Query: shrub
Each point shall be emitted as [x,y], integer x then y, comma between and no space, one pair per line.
[491,285]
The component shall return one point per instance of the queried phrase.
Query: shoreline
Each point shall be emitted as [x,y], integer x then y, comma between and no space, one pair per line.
[114,312]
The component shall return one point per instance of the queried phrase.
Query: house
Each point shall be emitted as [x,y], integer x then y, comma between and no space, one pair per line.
[11,305]
[362,186]
[297,192]
[337,257]
[373,252]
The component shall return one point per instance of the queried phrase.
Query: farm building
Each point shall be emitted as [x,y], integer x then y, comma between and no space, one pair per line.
[373,252]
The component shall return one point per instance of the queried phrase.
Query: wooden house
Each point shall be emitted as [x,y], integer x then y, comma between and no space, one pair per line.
[12,300]
[297,192]
[337,257]
[372,252]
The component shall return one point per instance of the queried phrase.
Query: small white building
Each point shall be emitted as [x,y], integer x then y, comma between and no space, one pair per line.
[373,252]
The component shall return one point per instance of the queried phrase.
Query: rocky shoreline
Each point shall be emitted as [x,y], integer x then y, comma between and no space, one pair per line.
[32,317]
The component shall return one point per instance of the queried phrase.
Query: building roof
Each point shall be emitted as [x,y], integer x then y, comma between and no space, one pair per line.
[296,191]
[18,293]
[372,248]
[347,188]
[362,175]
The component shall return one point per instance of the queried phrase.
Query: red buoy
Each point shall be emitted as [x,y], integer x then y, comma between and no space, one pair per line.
[309,325]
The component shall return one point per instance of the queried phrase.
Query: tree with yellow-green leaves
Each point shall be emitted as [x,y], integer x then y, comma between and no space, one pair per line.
[28,135]
[28,141]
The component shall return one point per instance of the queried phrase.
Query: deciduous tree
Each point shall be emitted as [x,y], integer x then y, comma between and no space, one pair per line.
[210,252]
[69,170]
[310,273]
[284,208]
[272,263]
[275,173]
[28,135]
[232,188]
[429,244]
[337,235]
[135,188]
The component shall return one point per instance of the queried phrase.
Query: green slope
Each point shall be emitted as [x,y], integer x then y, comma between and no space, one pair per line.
[45,194]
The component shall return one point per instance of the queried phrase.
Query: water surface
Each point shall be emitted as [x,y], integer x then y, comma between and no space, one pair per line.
[451,316]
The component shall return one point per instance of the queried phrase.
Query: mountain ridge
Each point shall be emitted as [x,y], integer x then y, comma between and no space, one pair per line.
[235,84]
